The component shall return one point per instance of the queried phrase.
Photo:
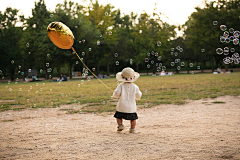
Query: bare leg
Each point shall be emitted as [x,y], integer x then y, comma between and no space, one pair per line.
[133,123]
[119,121]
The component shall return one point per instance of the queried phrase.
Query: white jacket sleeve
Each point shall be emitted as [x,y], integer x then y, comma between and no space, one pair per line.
[138,94]
[117,91]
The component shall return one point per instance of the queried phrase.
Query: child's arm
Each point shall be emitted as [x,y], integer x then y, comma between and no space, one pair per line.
[117,91]
[138,94]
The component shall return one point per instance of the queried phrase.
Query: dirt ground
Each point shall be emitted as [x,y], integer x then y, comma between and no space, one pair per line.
[198,130]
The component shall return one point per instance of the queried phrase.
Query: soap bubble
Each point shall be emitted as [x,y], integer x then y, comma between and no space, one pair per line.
[202,50]
[12,61]
[117,63]
[29,70]
[93,69]
[27,44]
[226,34]
[172,49]
[115,54]
[159,43]
[227,40]
[146,59]
[51,15]
[88,78]
[90,49]
[22,73]
[178,47]
[160,64]
[219,51]
[148,54]
[159,58]
[156,54]
[215,23]
[0,72]
[77,62]
[148,66]
[223,27]
[106,13]
[47,64]
[171,53]
[19,67]
[180,50]
[48,55]
[98,42]
[153,52]
[158,69]
[83,53]
[50,76]
[164,68]
[236,41]
[231,30]
[226,49]
[198,67]
[78,85]
[172,64]
[110,32]
[29,53]
[191,64]
[20,89]
[131,61]
[222,39]
[178,68]
[49,70]
[175,54]
[76,26]
[41,70]
[182,64]
[83,41]
[152,61]
[236,34]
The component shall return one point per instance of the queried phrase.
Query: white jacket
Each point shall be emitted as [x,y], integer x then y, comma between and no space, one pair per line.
[127,93]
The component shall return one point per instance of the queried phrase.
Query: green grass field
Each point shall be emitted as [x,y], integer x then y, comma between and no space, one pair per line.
[176,89]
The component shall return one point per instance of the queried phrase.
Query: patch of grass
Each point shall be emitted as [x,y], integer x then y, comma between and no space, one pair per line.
[218,102]
[176,89]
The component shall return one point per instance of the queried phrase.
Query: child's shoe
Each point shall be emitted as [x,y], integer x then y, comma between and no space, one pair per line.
[120,127]
[131,130]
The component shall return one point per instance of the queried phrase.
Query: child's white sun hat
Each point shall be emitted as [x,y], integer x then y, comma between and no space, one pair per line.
[127,75]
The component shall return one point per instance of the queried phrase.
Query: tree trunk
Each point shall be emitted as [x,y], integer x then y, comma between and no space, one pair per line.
[226,67]
[107,68]
[137,67]
[12,73]
[212,63]
[202,66]
[98,69]
[70,70]
[188,66]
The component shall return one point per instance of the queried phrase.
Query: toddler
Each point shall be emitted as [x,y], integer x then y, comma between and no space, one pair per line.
[127,92]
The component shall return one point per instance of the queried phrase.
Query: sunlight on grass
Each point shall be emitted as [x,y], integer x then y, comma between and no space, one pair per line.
[176,89]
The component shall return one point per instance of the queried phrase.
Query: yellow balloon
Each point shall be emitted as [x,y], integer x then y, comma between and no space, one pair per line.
[60,35]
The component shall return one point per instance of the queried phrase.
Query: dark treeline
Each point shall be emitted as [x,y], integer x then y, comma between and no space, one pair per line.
[108,41]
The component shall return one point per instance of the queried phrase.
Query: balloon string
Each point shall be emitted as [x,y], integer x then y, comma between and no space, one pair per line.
[91,71]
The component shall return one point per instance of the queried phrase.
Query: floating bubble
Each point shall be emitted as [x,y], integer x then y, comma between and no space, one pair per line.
[167,25]
[131,61]
[146,59]
[93,69]
[156,54]
[223,27]
[140,31]
[222,39]
[10,89]
[192,72]
[48,55]
[182,64]
[83,41]
[231,38]
[117,63]
[191,64]
[231,30]
[50,76]
[12,61]
[78,85]
[20,89]
[49,70]
[79,42]
[226,34]
[116,55]
[29,53]
[27,44]
[98,42]
[19,67]
[43,84]
[152,61]
[158,69]
[236,41]
[172,64]
[30,87]
[110,32]
[226,49]
[178,68]
[83,53]
[82,81]
[77,62]
[51,15]
[159,58]
[178,47]
[176,61]
[236,34]
[19,71]
[0,72]
[160,64]
[148,66]
[198,67]
[215,23]
[29,70]
[17,79]
[175,54]
[100,35]
[156,64]
[219,51]
[202,50]
[152,52]
[22,73]
[159,43]
[41,70]
[88,78]
[172,49]
[164,68]
[90,49]
[148,53]
[106,13]
[171,53]
[47,64]
[84,75]
[180,50]
[76,26]
[227,40]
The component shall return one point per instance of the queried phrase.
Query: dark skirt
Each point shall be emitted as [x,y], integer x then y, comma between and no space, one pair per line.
[126,116]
